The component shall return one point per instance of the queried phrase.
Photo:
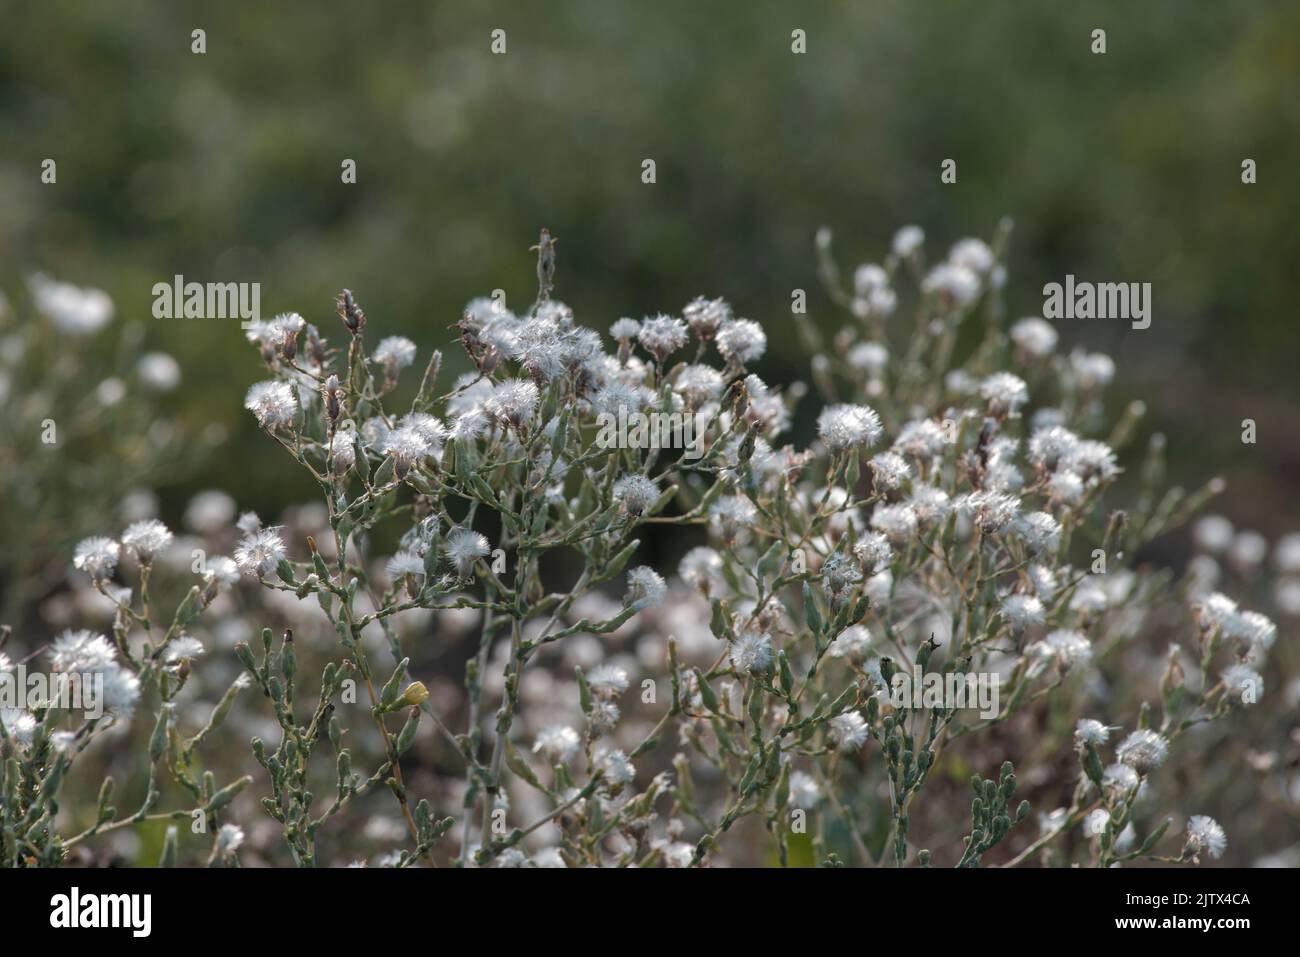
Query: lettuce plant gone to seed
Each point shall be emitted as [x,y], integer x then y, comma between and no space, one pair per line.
[783,694]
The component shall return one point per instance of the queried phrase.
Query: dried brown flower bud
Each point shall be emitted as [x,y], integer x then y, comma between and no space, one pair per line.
[352,315]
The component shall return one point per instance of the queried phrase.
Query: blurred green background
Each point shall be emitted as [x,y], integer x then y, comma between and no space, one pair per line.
[226,167]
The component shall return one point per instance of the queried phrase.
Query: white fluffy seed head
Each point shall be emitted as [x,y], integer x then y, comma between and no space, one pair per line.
[889,470]
[1090,731]
[395,352]
[804,790]
[870,357]
[852,642]
[848,426]
[751,652]
[558,742]
[954,286]
[993,512]
[1005,393]
[625,328]
[698,384]
[1095,823]
[607,681]
[907,241]
[183,648]
[741,341]
[873,552]
[1144,750]
[706,316]
[849,731]
[1244,684]
[661,336]
[463,547]
[85,652]
[645,588]
[1035,337]
[273,403]
[1070,649]
[230,837]
[1092,461]
[407,446]
[222,571]
[404,563]
[921,439]
[1205,836]
[731,514]
[260,552]
[81,650]
[1039,531]
[930,504]
[1064,488]
[701,567]
[1215,610]
[1022,611]
[1092,371]
[97,556]
[896,522]
[1050,446]
[618,769]
[73,309]
[635,493]
[972,253]
[146,539]
[512,402]
[343,450]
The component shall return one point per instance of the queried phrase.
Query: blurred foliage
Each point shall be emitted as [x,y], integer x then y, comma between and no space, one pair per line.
[226,166]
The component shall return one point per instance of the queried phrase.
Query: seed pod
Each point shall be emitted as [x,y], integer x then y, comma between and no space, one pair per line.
[707,693]
[315,345]
[228,793]
[787,677]
[1092,764]
[811,615]
[106,811]
[407,735]
[53,778]
[388,694]
[168,856]
[351,314]
[584,691]
[158,740]
[331,395]
[1008,787]
[288,659]
[245,656]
